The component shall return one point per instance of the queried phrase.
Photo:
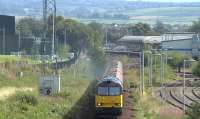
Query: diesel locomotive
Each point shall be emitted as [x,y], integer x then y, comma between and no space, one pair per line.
[109,90]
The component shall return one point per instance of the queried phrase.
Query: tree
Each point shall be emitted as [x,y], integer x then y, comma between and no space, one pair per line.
[63,50]
[195,111]
[196,69]
[30,27]
[80,37]
[161,28]
[140,29]
[115,32]
[96,38]
[195,26]
[177,60]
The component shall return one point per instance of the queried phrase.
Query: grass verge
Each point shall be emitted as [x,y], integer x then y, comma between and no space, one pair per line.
[31,105]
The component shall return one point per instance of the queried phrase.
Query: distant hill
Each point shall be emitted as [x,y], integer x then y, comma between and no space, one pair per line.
[101,9]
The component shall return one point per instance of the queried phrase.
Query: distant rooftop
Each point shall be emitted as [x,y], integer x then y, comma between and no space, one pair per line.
[155,39]
[139,39]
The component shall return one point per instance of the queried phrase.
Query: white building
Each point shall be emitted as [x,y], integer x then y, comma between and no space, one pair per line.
[187,43]
[184,42]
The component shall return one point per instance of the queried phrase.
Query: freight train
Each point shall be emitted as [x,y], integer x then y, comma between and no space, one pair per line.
[109,90]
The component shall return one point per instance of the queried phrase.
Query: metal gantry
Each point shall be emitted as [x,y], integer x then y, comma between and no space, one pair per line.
[49,13]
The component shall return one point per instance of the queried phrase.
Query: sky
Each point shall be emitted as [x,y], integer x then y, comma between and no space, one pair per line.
[168,0]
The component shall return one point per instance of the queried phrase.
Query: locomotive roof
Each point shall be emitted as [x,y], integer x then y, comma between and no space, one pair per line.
[111,73]
[111,79]
[112,68]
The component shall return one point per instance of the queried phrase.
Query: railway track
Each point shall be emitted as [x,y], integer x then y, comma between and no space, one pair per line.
[177,94]
[190,95]
[174,96]
[167,96]
[128,108]
[195,93]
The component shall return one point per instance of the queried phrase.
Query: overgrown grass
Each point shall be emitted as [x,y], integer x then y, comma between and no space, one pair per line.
[18,75]
[169,75]
[11,58]
[146,106]
[74,83]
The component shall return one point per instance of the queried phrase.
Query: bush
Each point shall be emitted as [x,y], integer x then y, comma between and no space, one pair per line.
[177,60]
[196,69]
[26,98]
[195,111]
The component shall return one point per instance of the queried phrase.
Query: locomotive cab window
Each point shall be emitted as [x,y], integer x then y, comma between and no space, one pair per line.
[109,91]
[102,90]
[114,91]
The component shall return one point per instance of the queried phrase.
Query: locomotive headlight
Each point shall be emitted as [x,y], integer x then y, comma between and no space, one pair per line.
[99,104]
[118,104]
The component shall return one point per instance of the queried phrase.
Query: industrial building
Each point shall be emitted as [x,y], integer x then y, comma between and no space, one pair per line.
[9,40]
[7,23]
[187,43]
[7,34]
[138,43]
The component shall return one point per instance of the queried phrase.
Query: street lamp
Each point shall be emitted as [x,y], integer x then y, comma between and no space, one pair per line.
[19,38]
[65,36]
[161,70]
[151,72]
[141,88]
[160,62]
[143,85]
[106,31]
[166,52]
[185,61]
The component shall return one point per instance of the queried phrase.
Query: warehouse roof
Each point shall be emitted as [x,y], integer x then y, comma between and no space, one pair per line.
[154,39]
[141,39]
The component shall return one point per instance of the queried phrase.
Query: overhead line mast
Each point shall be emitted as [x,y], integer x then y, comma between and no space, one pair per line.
[49,13]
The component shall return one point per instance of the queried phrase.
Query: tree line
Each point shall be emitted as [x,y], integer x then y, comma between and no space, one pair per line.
[70,34]
[144,29]
[81,37]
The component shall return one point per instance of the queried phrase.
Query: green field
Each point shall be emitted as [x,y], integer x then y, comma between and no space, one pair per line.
[10,58]
[169,15]
[165,11]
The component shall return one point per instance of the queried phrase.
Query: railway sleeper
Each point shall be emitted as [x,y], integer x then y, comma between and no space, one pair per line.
[191,96]
[178,100]
[195,94]
[168,100]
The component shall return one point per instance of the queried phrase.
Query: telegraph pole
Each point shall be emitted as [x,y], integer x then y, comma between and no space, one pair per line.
[65,36]
[106,37]
[19,39]
[4,40]
[143,73]
[19,42]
